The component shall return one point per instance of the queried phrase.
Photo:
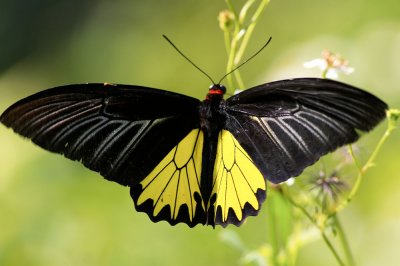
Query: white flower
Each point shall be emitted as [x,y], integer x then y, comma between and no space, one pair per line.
[317,62]
[237,91]
[290,181]
[330,64]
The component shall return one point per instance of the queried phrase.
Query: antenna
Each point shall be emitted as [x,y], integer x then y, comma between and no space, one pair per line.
[190,61]
[247,60]
[224,76]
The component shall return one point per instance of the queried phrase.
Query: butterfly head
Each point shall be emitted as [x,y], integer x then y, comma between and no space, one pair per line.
[216,91]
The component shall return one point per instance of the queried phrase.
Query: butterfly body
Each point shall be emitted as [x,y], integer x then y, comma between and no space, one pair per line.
[213,118]
[191,161]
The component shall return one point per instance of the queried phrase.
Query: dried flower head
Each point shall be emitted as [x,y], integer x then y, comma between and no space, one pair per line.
[393,114]
[330,64]
[225,19]
[328,188]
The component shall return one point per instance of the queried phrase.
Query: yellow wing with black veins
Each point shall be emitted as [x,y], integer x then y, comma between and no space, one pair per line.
[238,186]
[172,190]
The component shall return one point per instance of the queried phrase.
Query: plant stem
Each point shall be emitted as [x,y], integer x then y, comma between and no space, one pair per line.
[357,164]
[273,232]
[324,72]
[232,9]
[362,170]
[233,44]
[250,30]
[343,240]
[227,41]
[334,252]
[369,163]
[239,40]
[321,228]
[231,64]
[243,11]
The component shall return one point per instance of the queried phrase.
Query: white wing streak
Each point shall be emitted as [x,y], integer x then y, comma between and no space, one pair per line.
[272,136]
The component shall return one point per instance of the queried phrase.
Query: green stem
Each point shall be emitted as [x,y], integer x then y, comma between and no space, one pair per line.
[239,42]
[250,30]
[243,11]
[274,232]
[227,41]
[362,170]
[293,245]
[233,45]
[351,152]
[343,240]
[329,244]
[232,9]
[321,228]
[231,65]
[324,72]
[378,147]
[247,35]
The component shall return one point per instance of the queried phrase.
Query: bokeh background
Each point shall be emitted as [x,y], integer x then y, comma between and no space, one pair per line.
[56,212]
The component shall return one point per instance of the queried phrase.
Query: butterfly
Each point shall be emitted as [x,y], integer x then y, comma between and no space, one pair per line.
[191,161]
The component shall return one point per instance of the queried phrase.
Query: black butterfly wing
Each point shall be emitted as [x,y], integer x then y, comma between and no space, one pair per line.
[121,131]
[288,125]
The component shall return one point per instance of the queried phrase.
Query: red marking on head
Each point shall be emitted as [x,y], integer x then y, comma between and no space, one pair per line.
[216,91]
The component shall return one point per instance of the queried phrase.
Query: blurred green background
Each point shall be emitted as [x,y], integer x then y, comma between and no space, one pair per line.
[56,212]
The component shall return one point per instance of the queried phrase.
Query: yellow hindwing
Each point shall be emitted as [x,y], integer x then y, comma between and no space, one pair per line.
[176,178]
[236,179]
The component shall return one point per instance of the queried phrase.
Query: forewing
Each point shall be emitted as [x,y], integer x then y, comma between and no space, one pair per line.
[120,131]
[287,125]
